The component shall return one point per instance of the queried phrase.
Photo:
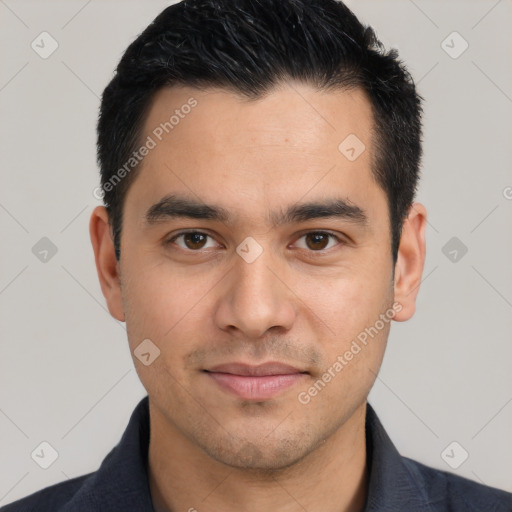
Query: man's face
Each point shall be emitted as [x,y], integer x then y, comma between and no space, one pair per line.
[290,294]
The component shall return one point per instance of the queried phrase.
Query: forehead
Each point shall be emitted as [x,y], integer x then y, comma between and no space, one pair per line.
[293,142]
[292,113]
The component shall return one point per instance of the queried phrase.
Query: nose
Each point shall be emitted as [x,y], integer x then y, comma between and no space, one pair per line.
[255,298]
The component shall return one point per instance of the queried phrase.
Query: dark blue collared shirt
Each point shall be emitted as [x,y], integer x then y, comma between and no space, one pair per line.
[396,483]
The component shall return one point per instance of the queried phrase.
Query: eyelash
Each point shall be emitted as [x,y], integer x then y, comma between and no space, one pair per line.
[319,252]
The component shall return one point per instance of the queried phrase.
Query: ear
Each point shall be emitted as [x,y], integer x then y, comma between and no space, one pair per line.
[410,261]
[106,264]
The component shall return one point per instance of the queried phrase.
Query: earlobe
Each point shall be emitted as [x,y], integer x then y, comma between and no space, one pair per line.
[107,266]
[410,261]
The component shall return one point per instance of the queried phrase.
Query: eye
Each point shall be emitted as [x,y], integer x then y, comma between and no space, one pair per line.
[318,240]
[195,241]
[192,240]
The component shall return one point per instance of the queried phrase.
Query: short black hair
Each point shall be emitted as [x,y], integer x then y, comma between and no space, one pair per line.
[249,46]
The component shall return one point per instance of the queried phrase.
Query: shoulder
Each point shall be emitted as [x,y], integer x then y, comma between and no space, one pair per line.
[51,498]
[453,493]
[120,483]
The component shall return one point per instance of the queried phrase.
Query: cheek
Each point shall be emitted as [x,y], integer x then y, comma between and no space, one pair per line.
[164,311]
[349,302]
[157,304]
[353,335]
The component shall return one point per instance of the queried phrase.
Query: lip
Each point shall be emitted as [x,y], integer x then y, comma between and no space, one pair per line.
[261,370]
[255,382]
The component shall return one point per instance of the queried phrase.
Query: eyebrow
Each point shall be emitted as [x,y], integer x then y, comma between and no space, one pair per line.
[175,206]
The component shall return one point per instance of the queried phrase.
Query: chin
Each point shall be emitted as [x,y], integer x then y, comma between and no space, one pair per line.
[259,455]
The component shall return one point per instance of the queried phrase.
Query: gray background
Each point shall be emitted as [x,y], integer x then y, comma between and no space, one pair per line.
[65,370]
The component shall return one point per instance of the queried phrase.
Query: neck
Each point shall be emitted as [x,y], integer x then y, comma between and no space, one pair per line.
[332,478]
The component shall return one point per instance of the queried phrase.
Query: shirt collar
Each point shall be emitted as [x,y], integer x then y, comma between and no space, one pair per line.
[122,483]
[394,484]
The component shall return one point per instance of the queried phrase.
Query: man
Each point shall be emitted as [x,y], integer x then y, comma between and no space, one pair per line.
[259,161]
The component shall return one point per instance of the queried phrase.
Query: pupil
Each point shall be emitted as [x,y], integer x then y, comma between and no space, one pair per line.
[195,238]
[318,237]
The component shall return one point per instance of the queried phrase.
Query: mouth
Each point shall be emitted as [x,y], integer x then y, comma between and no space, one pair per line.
[260,382]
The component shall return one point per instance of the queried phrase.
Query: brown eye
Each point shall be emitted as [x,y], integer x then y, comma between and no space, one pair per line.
[194,240]
[317,241]
[190,240]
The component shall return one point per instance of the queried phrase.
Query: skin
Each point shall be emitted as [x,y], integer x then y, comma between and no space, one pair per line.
[211,450]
